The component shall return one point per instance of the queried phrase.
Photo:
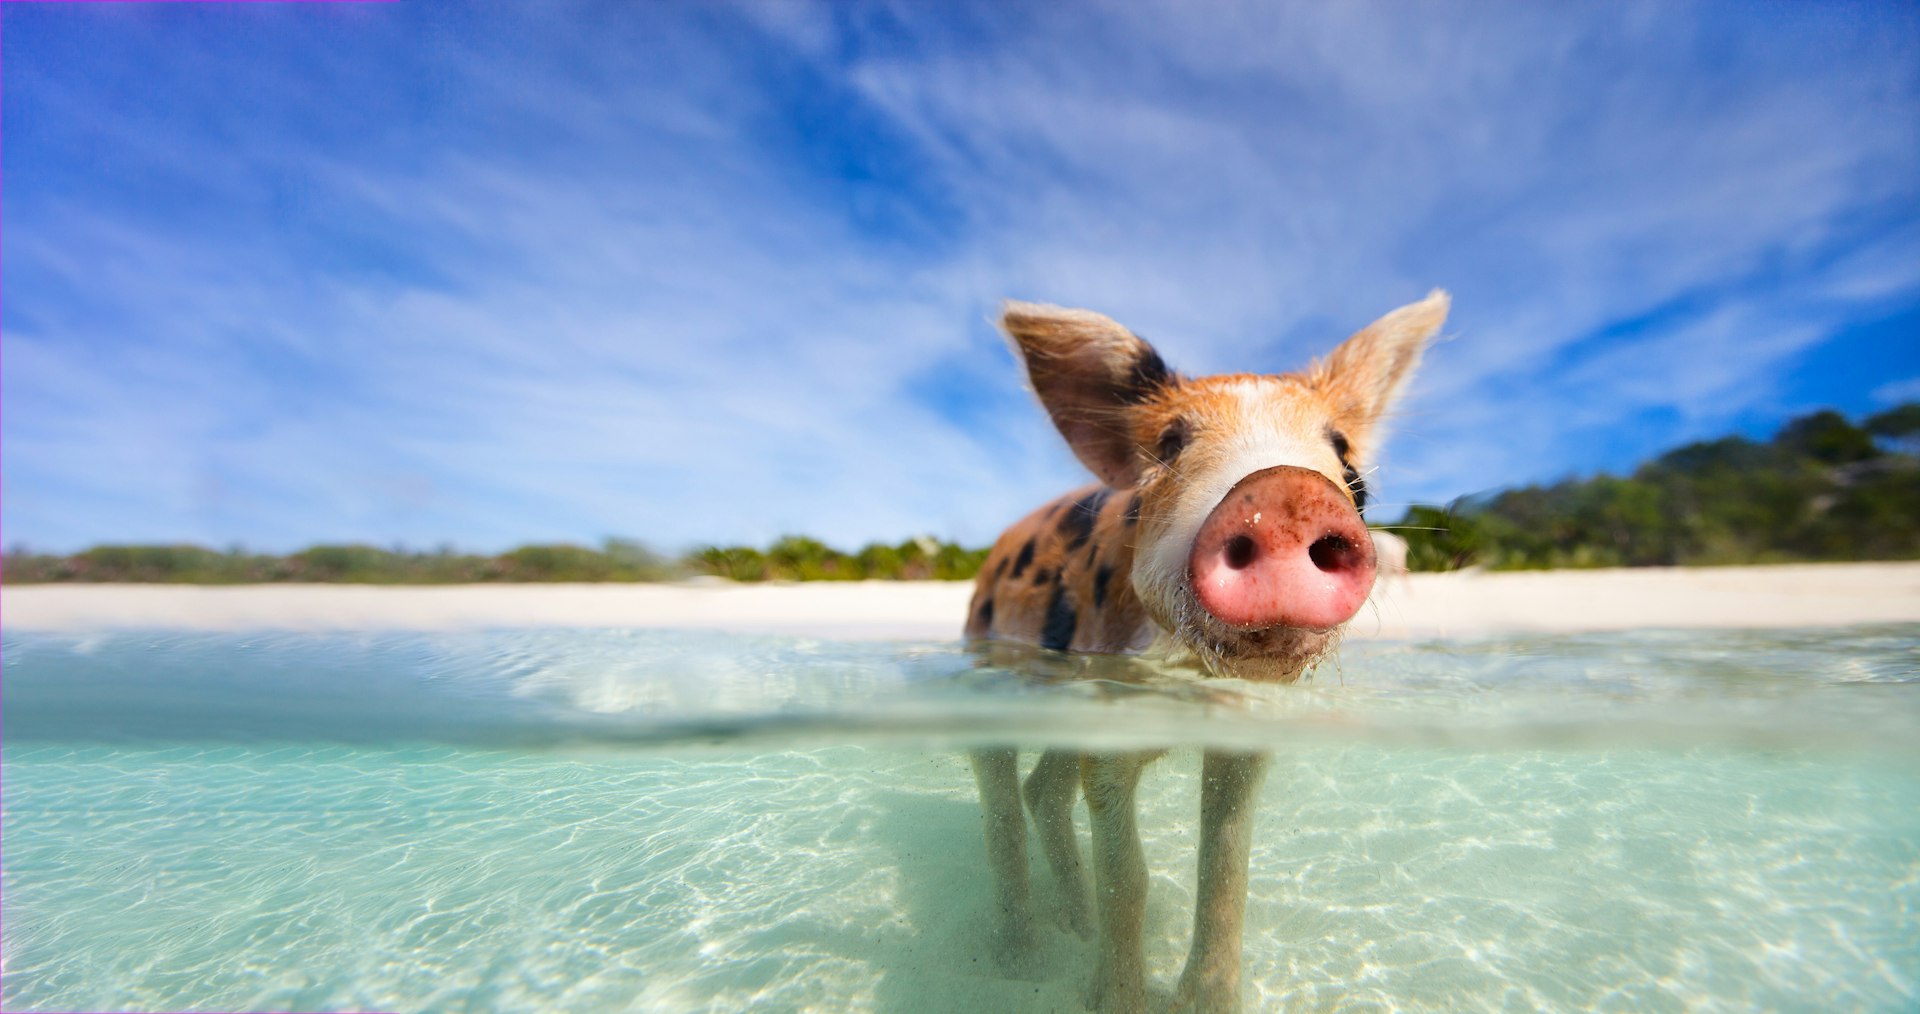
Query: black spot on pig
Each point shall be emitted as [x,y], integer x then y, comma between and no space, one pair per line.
[1100,579]
[1061,619]
[1020,562]
[1077,524]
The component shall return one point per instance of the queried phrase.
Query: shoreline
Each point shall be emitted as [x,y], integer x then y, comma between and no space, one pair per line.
[1409,607]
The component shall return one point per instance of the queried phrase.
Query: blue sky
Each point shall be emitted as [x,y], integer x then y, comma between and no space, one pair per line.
[433,273]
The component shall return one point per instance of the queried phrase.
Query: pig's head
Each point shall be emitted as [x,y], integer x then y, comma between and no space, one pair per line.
[1250,552]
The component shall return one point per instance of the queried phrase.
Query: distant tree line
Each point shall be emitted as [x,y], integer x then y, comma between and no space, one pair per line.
[1822,488]
[796,558]
[792,558]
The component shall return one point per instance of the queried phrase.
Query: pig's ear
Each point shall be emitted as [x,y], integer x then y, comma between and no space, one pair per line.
[1090,373]
[1365,375]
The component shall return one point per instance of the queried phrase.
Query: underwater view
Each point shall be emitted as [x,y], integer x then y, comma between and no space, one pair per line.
[616,819]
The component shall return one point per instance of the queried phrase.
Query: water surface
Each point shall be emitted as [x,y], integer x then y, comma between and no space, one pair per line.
[529,820]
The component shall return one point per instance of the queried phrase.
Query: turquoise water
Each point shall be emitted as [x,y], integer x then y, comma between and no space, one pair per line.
[578,820]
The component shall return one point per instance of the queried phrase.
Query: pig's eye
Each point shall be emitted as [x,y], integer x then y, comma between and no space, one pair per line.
[1352,474]
[1173,440]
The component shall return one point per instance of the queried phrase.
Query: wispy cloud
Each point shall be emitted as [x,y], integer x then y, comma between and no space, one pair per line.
[422,274]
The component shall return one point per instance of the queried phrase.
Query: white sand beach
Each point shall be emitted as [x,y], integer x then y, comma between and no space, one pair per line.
[1461,604]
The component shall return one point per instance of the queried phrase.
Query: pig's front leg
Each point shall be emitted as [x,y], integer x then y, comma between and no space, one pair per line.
[997,771]
[1120,880]
[1050,792]
[1229,782]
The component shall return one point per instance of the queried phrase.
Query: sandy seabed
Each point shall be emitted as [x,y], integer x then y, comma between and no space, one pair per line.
[1463,604]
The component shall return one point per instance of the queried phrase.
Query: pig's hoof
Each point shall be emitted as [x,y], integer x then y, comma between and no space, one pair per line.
[1115,992]
[1078,916]
[1016,950]
[1208,992]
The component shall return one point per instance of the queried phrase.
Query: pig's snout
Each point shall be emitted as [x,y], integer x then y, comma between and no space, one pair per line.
[1284,549]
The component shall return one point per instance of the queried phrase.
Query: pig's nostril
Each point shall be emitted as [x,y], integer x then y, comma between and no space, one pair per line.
[1333,552]
[1239,552]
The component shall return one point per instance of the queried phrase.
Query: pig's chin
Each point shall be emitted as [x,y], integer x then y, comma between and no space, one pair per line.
[1274,654]
[1278,654]
[1270,655]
